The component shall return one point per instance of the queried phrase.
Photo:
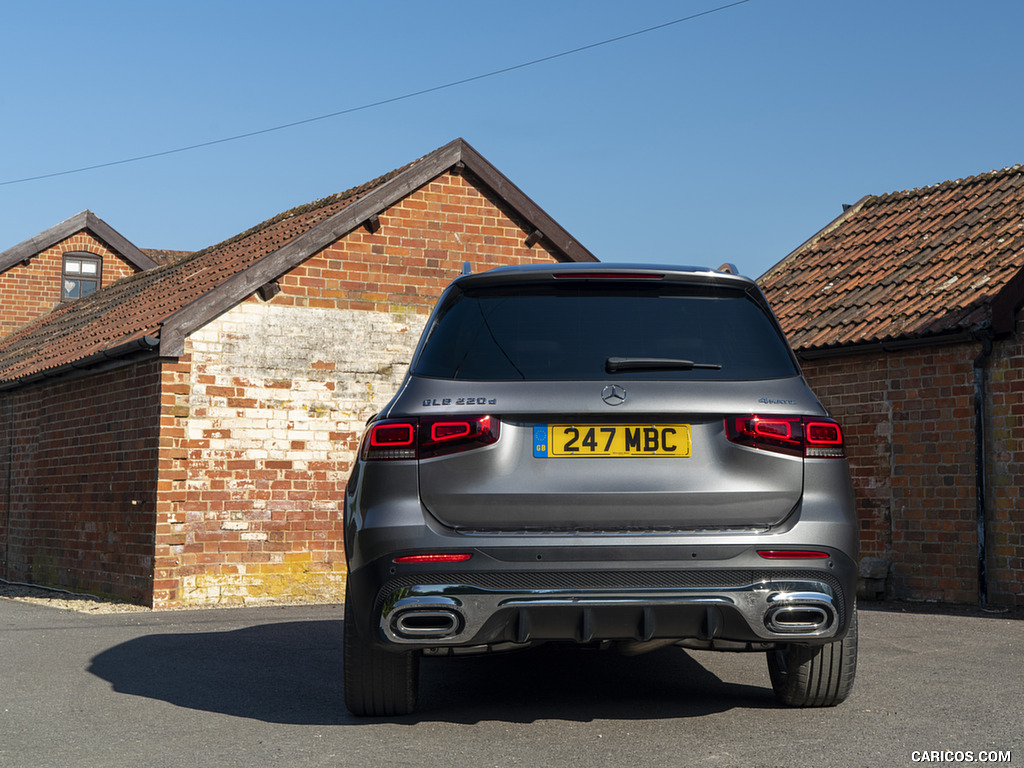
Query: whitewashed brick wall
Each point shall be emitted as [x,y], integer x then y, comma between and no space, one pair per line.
[279,398]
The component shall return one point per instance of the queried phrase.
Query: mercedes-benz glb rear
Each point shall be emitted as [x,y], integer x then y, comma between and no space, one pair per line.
[614,455]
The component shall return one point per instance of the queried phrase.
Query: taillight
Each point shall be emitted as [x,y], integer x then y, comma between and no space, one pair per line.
[824,439]
[813,438]
[390,440]
[396,439]
[444,435]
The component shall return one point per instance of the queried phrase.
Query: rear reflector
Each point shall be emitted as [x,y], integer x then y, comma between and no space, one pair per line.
[792,554]
[435,557]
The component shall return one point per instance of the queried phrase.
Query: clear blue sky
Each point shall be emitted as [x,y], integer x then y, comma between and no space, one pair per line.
[731,137]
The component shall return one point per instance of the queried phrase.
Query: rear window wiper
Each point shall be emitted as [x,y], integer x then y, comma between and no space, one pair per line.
[616,364]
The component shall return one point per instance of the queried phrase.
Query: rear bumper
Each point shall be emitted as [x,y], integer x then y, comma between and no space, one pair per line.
[488,608]
[710,588]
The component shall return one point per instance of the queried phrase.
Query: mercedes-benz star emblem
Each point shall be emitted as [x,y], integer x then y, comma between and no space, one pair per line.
[613,394]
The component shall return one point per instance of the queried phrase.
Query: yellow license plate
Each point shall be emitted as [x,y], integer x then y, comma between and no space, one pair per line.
[611,440]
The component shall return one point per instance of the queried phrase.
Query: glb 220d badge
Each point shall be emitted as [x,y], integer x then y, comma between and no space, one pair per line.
[443,401]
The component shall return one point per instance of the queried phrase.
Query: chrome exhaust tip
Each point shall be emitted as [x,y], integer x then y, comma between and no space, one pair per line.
[426,624]
[802,619]
[811,614]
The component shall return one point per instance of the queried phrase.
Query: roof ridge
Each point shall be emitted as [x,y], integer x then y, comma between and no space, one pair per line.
[84,220]
[979,178]
[350,194]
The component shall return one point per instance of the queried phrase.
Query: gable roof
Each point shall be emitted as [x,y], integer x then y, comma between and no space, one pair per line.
[931,264]
[159,308]
[25,250]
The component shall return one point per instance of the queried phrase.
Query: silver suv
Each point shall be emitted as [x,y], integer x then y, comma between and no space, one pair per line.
[617,455]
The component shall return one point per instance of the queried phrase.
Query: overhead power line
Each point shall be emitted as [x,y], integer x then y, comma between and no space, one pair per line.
[375,104]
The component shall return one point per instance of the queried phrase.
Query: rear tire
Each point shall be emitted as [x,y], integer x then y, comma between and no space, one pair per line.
[377,683]
[815,675]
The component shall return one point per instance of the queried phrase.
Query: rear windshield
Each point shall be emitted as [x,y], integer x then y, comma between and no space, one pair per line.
[568,332]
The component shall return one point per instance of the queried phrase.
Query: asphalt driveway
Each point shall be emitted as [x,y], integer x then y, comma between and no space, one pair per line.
[262,687]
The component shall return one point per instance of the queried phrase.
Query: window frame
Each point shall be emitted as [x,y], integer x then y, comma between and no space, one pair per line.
[81,257]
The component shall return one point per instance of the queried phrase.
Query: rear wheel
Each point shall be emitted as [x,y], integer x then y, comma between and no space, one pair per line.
[815,675]
[377,683]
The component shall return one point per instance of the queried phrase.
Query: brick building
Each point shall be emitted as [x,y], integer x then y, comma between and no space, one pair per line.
[905,312]
[183,435]
[67,261]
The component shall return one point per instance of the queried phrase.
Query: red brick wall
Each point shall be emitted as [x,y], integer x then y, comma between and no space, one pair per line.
[420,248]
[857,397]
[261,418]
[909,422]
[935,521]
[77,492]
[171,490]
[28,291]
[1005,478]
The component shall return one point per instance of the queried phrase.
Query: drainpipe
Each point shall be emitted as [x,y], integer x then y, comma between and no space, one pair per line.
[9,428]
[980,460]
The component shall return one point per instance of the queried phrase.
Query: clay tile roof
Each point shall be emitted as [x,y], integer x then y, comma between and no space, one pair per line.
[135,307]
[160,306]
[161,256]
[940,261]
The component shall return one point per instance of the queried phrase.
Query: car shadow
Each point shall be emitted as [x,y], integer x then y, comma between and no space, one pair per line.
[560,682]
[290,672]
[287,672]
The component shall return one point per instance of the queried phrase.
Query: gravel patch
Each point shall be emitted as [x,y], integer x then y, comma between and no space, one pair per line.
[64,601]
[82,603]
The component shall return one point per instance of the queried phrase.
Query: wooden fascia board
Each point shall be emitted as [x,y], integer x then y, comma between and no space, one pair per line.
[887,346]
[102,360]
[45,239]
[553,232]
[118,242]
[65,229]
[243,284]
